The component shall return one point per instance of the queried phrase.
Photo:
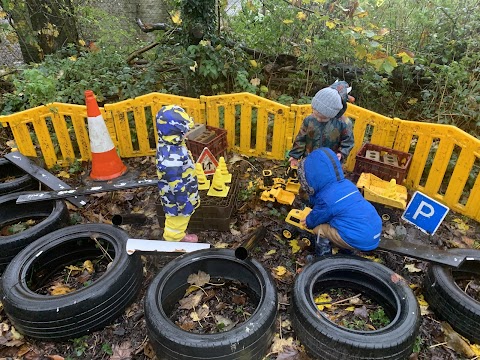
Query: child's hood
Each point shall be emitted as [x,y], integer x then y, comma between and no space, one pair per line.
[320,168]
[172,124]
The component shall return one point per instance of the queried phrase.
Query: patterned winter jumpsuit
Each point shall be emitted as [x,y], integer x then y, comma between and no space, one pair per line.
[177,181]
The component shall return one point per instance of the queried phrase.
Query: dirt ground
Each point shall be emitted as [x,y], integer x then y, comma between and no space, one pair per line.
[127,337]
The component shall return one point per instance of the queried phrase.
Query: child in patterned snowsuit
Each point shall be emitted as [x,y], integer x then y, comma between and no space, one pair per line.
[340,214]
[326,126]
[177,181]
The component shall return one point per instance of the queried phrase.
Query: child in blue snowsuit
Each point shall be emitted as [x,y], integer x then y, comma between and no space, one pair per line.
[177,180]
[340,214]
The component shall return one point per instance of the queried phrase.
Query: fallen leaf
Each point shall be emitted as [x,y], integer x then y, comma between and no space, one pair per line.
[279,344]
[122,351]
[220,245]
[227,323]
[60,290]
[288,353]
[294,245]
[361,312]
[461,225]
[280,270]
[199,279]
[64,174]
[322,301]
[56,357]
[191,301]
[271,252]
[87,265]
[411,268]
[455,341]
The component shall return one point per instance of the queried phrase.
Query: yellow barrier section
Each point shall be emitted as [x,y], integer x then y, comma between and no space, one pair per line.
[445,161]
[255,126]
[134,121]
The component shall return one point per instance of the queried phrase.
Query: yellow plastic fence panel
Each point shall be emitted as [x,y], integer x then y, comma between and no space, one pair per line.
[437,148]
[19,125]
[134,120]
[255,125]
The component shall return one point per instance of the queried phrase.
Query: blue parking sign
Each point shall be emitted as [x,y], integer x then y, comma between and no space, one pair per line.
[425,213]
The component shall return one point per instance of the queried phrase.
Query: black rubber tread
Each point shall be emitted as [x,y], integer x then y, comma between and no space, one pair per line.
[22,181]
[248,341]
[69,316]
[325,340]
[54,212]
[449,301]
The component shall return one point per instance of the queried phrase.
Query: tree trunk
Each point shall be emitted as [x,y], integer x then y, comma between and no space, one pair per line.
[42,26]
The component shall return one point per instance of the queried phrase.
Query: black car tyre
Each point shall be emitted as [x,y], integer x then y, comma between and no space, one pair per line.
[21,180]
[249,340]
[79,312]
[448,300]
[53,212]
[323,339]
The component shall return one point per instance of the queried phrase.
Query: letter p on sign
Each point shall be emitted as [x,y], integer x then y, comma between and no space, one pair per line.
[425,213]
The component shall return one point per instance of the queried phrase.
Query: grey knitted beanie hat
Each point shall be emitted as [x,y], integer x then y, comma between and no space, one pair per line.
[327,102]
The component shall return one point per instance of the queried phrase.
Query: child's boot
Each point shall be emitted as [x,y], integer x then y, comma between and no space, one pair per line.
[322,247]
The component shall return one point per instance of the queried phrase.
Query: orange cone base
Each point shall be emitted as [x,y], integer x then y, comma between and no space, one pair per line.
[107,165]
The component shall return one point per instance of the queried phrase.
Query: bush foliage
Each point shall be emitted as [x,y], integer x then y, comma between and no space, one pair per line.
[404,59]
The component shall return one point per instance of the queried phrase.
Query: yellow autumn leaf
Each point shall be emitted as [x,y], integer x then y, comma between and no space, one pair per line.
[301,15]
[194,316]
[15,334]
[253,63]
[294,245]
[412,101]
[350,308]
[308,41]
[373,258]
[421,300]
[176,18]
[361,14]
[461,225]
[87,265]
[220,245]
[323,298]
[81,42]
[406,58]
[72,58]
[287,21]
[60,290]
[412,268]
[476,349]
[357,29]
[330,24]
[280,270]
[271,252]
[73,268]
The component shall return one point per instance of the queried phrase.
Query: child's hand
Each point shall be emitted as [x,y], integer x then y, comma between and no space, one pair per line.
[293,162]
[339,156]
[303,222]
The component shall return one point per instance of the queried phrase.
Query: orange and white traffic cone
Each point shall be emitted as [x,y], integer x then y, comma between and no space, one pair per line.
[106,163]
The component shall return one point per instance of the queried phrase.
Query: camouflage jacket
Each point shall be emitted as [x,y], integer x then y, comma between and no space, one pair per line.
[335,134]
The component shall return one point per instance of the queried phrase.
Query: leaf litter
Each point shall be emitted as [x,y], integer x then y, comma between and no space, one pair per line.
[275,254]
[211,306]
